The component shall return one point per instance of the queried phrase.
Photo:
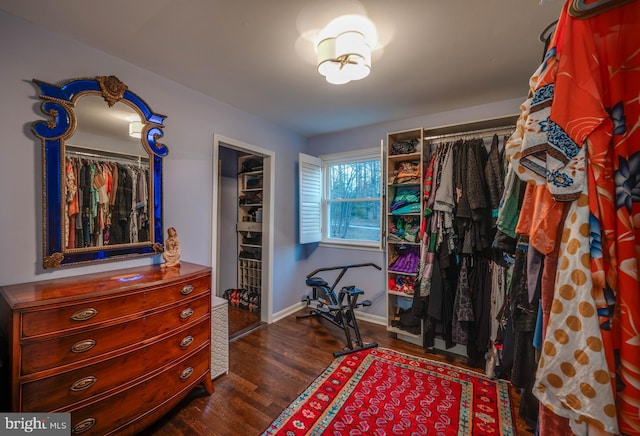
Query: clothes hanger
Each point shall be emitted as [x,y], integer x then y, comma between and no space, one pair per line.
[546,35]
[580,9]
[547,32]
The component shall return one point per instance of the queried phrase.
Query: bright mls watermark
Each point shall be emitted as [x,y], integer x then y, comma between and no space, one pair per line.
[44,424]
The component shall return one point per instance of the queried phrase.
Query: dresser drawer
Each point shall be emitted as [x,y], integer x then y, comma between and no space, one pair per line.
[83,315]
[70,387]
[121,409]
[42,355]
[108,347]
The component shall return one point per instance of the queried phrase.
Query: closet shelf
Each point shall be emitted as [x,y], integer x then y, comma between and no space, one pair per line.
[395,185]
[249,238]
[399,294]
[405,214]
[415,274]
[249,226]
[417,244]
[403,157]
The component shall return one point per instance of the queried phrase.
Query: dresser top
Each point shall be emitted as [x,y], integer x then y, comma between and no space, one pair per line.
[67,289]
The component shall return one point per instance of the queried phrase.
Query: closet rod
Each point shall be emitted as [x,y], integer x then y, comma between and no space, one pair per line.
[123,159]
[103,152]
[491,131]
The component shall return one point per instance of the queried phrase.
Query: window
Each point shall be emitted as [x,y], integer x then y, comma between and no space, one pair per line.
[340,198]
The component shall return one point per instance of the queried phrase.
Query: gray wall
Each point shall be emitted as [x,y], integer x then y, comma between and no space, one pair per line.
[369,279]
[28,52]
[228,218]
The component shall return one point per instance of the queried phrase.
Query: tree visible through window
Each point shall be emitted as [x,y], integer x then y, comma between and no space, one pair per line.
[353,200]
[341,198]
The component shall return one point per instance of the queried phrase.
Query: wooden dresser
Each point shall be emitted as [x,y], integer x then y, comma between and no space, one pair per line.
[116,349]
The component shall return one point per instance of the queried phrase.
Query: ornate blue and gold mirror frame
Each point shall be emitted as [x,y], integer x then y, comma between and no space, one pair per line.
[64,242]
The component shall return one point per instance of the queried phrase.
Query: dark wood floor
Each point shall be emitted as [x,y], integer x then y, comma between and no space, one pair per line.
[268,368]
[242,321]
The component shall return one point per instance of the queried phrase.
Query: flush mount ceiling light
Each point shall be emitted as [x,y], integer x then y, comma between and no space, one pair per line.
[344,49]
[135,129]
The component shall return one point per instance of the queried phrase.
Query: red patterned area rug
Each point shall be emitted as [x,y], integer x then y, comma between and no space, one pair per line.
[383,392]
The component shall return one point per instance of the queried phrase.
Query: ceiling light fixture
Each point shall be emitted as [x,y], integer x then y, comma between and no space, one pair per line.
[344,49]
[135,129]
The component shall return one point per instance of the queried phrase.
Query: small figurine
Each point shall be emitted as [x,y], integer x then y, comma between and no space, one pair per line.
[171,253]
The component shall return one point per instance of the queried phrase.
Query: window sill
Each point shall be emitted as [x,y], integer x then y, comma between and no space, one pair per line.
[351,246]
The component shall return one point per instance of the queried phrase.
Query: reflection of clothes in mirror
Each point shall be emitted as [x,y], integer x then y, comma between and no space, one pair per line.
[121,208]
[71,203]
[106,203]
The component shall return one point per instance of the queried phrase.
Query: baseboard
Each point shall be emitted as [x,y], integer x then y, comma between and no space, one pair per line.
[287,311]
[364,316]
[374,319]
[377,319]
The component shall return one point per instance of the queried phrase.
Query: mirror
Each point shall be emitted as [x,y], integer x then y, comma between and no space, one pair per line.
[102,172]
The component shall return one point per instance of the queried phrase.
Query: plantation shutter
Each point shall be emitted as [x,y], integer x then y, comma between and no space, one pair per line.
[310,193]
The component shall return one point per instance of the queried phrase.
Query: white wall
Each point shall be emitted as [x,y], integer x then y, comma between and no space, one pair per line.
[228,220]
[29,52]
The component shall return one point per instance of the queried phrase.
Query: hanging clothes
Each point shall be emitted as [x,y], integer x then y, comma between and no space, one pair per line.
[584,108]
[494,178]
[523,315]
[463,314]
[71,202]
[106,203]
[456,265]
[604,101]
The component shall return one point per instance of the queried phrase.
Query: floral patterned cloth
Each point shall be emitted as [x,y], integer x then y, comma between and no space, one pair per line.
[540,214]
[585,108]
[597,103]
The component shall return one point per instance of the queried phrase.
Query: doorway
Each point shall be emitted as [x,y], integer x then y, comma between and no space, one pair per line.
[242,257]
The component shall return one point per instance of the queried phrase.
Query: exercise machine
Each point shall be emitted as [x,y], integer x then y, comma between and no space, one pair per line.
[338,309]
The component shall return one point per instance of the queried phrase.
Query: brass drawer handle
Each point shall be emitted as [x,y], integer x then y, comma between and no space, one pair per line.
[82,346]
[186,373]
[186,341]
[84,314]
[187,290]
[83,383]
[83,425]
[186,313]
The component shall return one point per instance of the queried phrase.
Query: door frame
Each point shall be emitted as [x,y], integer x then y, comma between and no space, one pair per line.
[268,192]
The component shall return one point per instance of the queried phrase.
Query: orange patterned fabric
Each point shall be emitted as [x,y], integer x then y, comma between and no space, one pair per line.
[581,141]
[590,86]
[597,103]
[540,217]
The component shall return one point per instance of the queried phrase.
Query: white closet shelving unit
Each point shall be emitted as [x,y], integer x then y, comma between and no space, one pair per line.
[399,242]
[401,298]
[250,183]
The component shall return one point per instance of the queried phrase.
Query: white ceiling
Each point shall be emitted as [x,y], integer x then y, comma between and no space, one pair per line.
[257,55]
